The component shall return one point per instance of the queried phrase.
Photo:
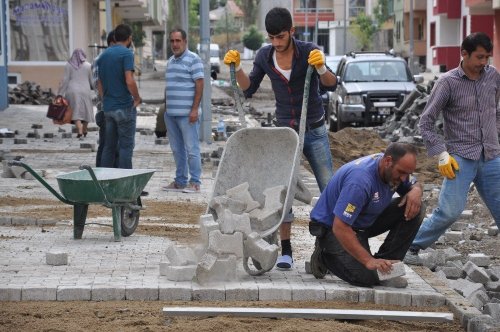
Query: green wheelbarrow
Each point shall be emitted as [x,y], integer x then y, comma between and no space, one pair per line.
[116,188]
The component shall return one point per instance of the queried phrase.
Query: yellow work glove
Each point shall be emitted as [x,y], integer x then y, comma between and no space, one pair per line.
[233,56]
[317,59]
[447,165]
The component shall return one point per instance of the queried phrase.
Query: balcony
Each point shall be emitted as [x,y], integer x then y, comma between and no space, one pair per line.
[450,8]
[478,4]
[300,14]
[417,6]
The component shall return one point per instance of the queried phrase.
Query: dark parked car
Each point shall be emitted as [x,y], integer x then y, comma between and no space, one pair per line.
[332,62]
[370,86]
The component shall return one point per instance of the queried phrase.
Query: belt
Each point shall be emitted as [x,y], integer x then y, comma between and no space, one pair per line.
[314,125]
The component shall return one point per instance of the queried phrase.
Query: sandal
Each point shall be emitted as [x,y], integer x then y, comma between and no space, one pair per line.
[285,262]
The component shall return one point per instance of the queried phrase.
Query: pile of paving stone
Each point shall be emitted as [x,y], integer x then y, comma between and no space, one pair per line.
[229,233]
[402,125]
[473,276]
[30,93]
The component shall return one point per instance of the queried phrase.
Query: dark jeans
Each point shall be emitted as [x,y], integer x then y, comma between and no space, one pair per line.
[101,123]
[397,242]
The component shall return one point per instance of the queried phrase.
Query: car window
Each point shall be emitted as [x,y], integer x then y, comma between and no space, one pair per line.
[376,71]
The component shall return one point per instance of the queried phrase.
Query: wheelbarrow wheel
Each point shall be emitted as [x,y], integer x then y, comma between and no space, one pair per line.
[130,220]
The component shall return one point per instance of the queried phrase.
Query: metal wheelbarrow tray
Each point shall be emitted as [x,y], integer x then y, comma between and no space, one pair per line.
[116,188]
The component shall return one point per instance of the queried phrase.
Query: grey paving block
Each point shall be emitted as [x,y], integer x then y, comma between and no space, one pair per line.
[56,258]
[107,293]
[241,292]
[479,298]
[302,292]
[275,292]
[5,221]
[66,135]
[10,293]
[479,259]
[20,141]
[462,310]
[398,270]
[482,323]
[428,300]
[177,273]
[209,293]
[366,295]
[23,221]
[458,226]
[42,222]
[38,293]
[341,294]
[492,309]
[74,293]
[142,293]
[476,273]
[175,292]
[451,272]
[453,236]
[389,297]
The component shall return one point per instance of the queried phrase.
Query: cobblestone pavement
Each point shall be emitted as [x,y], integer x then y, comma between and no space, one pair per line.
[101,269]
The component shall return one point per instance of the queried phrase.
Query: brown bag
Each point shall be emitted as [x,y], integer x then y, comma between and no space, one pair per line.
[59,111]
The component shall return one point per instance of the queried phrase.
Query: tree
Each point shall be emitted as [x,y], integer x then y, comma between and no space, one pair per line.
[381,12]
[253,39]
[249,8]
[138,34]
[364,29]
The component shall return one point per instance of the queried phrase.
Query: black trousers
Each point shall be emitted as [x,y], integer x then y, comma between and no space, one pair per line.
[395,246]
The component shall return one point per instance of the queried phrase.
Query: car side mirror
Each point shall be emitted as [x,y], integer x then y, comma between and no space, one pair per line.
[338,79]
[418,79]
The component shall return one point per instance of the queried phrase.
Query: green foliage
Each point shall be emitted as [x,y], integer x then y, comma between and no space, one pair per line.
[364,29]
[253,39]
[227,24]
[381,12]
[138,34]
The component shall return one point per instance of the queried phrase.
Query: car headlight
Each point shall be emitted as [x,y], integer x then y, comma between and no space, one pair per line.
[353,100]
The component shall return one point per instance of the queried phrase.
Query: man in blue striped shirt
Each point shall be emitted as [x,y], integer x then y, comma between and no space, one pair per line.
[468,97]
[183,91]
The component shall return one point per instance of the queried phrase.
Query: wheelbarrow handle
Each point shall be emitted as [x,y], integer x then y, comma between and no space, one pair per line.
[97,183]
[237,98]
[39,178]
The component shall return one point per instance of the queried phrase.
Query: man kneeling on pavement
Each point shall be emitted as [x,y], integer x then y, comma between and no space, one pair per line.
[358,204]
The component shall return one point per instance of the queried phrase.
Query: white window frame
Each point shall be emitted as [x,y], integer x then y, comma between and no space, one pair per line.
[41,63]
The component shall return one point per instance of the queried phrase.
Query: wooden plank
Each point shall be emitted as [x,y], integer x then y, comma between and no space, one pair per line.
[306,313]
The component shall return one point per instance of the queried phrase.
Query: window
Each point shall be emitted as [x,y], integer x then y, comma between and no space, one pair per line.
[310,4]
[356,7]
[39,30]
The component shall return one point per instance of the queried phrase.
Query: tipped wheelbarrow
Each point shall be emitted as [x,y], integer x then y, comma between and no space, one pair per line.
[116,188]
[264,157]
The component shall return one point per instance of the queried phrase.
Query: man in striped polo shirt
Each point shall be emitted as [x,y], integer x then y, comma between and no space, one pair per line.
[467,97]
[183,91]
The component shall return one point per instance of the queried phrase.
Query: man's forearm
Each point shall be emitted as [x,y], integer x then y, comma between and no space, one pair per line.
[242,79]
[328,79]
[198,93]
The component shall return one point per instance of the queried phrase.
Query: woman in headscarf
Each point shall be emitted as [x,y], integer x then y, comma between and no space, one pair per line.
[76,88]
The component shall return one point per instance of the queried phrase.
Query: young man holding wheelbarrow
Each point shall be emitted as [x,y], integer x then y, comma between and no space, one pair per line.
[285,62]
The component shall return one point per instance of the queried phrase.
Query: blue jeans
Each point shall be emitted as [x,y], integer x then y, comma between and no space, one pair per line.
[318,154]
[185,144]
[453,197]
[120,134]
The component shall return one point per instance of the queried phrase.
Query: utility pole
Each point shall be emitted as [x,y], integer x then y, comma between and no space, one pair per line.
[306,32]
[109,24]
[316,25]
[184,16]
[227,31]
[345,26]
[206,104]
[411,38]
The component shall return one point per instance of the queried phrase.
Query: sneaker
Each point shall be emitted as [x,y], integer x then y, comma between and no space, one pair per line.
[285,262]
[318,268]
[174,186]
[192,188]
[412,258]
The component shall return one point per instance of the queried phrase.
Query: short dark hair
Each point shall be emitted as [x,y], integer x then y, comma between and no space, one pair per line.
[122,32]
[111,37]
[472,41]
[398,150]
[183,33]
[278,20]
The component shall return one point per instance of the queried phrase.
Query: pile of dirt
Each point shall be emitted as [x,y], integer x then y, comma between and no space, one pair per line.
[352,143]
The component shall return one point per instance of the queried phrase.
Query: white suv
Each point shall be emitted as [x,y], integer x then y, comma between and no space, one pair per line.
[370,85]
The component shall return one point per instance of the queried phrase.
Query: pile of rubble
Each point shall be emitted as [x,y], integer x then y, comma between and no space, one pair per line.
[473,276]
[402,125]
[30,93]
[231,232]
